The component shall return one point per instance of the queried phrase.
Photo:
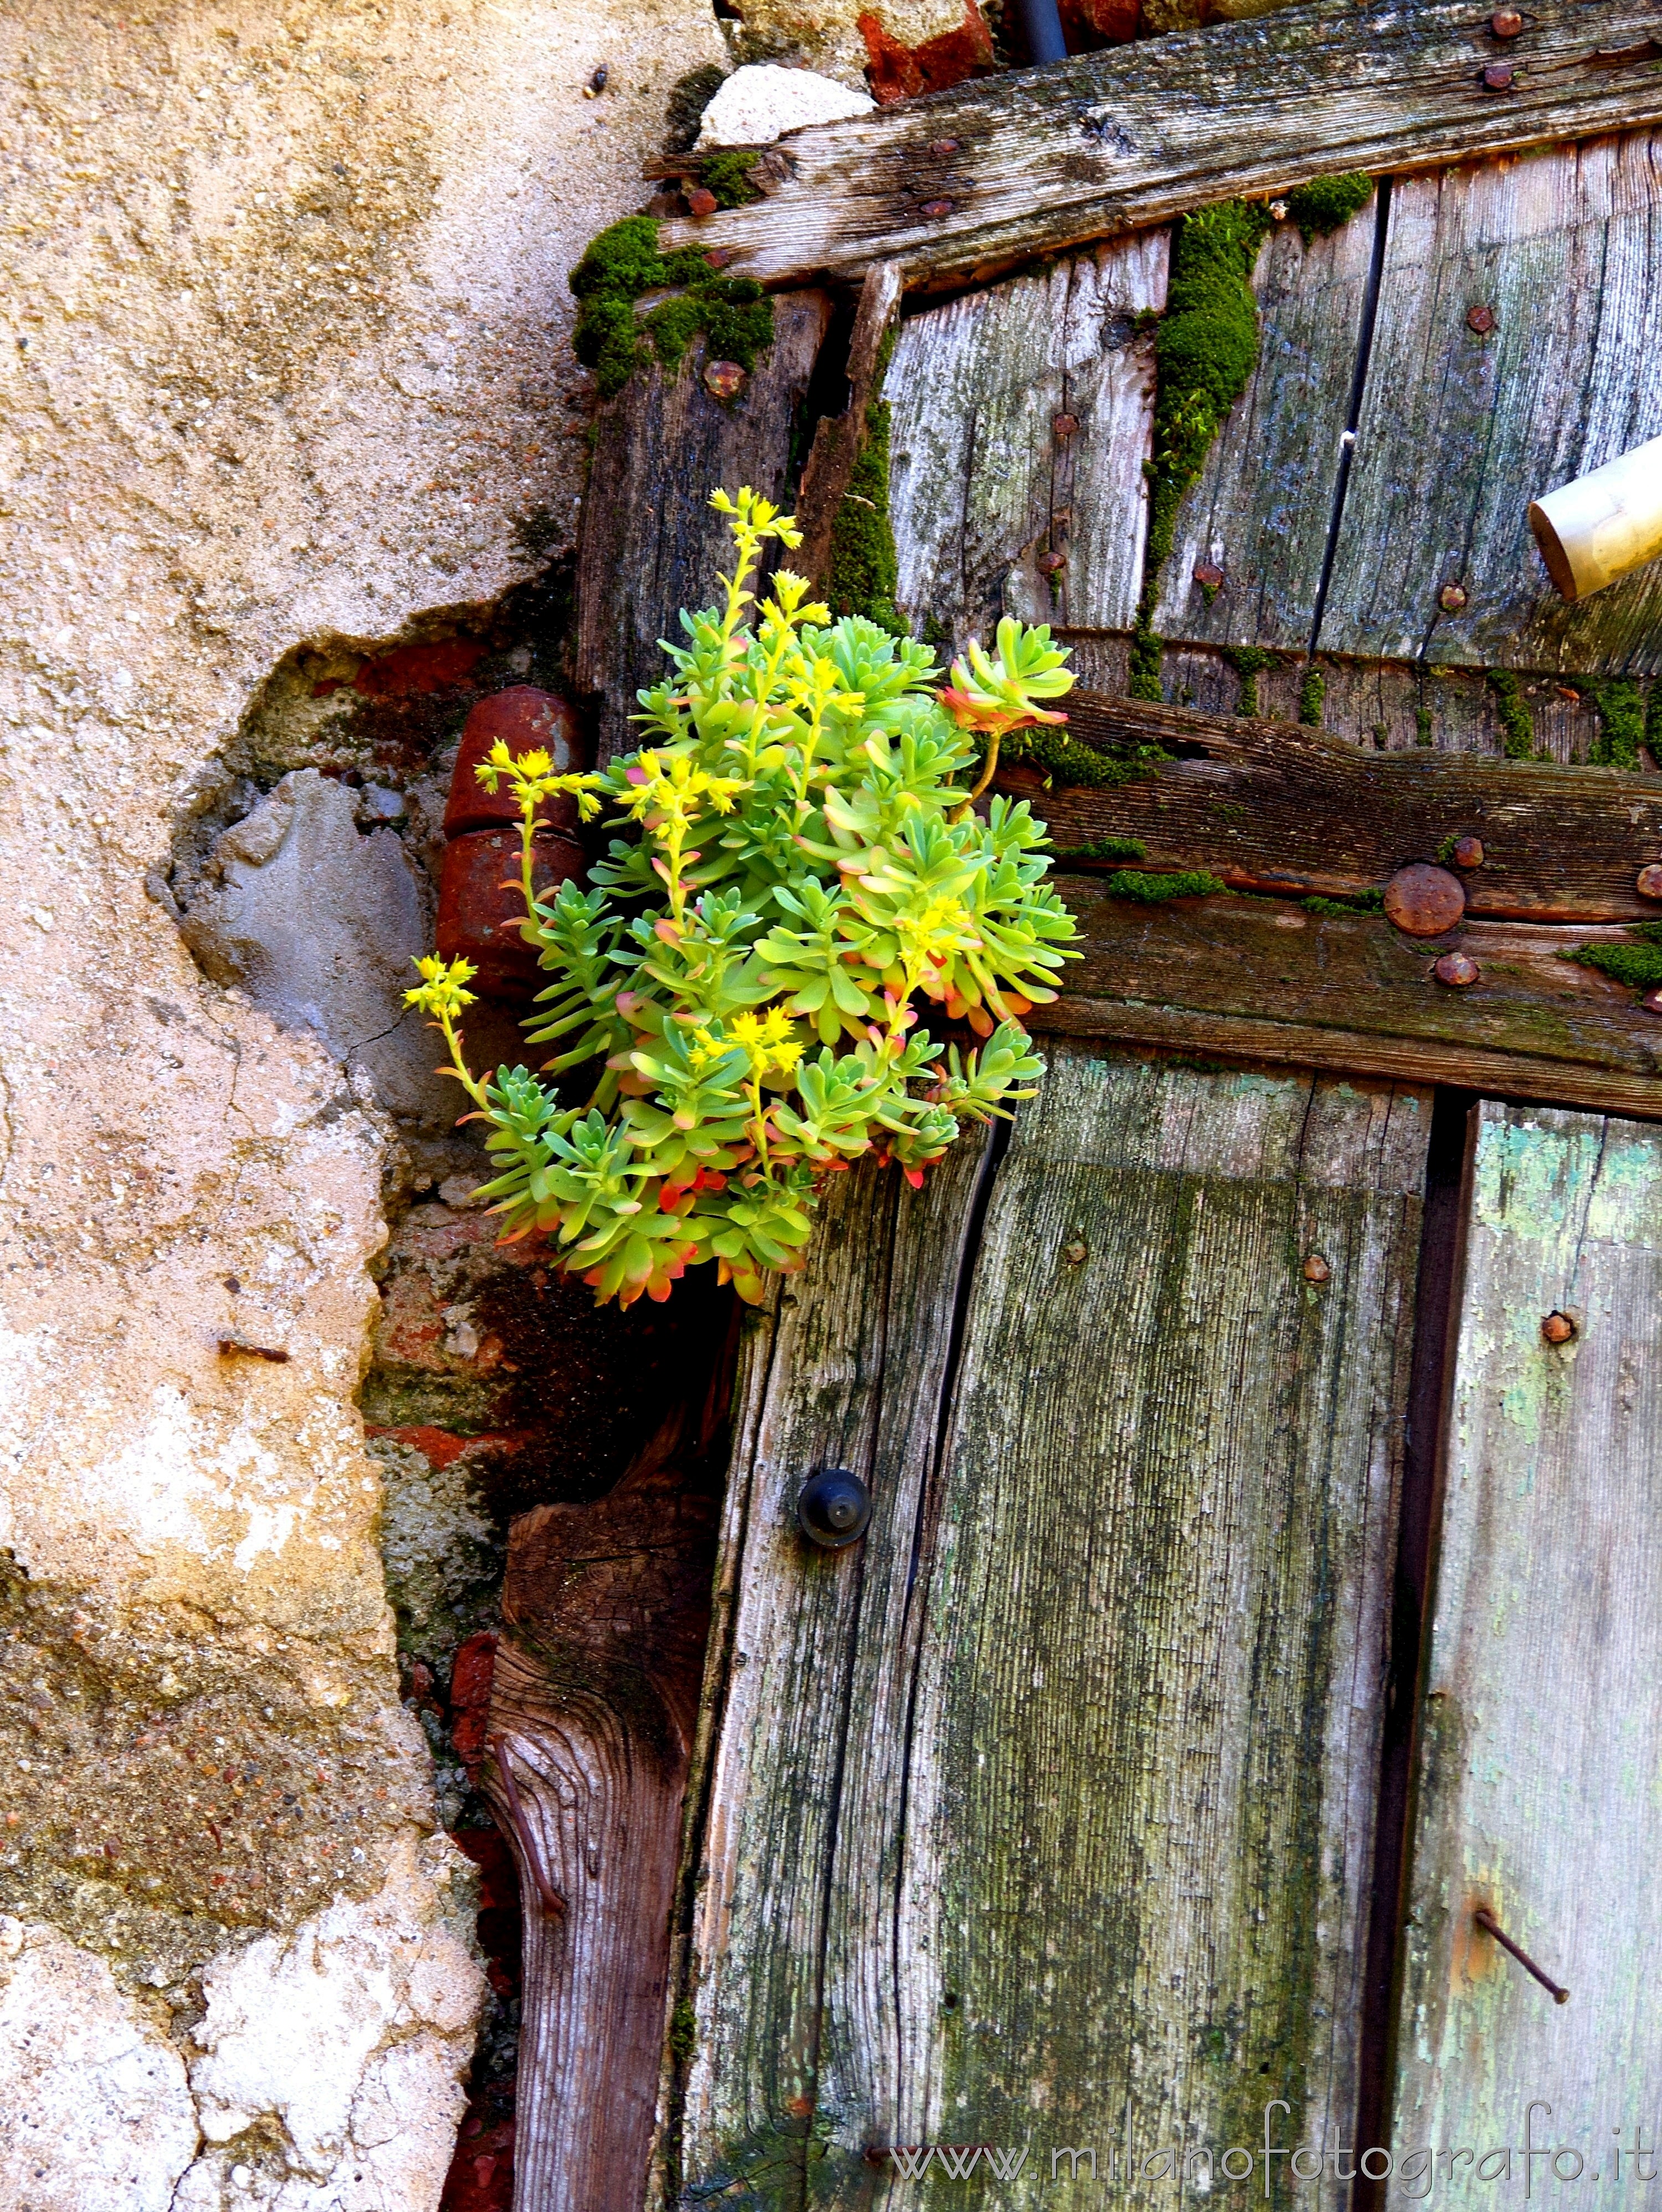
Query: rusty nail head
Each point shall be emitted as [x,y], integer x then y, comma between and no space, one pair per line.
[1506,22]
[1557,1327]
[1074,1253]
[1316,1269]
[1424,900]
[718,256]
[1497,77]
[1649,882]
[1652,1002]
[1467,851]
[725,379]
[941,146]
[1452,597]
[1208,575]
[701,200]
[1064,426]
[932,210]
[1481,319]
[1456,970]
[1049,562]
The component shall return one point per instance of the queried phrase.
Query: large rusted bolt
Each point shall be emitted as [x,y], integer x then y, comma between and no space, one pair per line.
[1424,900]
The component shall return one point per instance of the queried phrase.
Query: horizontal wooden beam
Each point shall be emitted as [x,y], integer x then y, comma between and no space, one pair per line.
[1271,806]
[961,184]
[1261,978]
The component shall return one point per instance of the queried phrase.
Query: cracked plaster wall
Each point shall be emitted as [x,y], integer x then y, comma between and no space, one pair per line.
[284,363]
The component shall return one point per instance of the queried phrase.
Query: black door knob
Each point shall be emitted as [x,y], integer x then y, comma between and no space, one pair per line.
[835,1509]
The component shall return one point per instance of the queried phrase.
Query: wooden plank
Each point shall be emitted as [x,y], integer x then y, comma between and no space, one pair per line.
[1460,430]
[1542,1733]
[839,439]
[1096,1847]
[1262,979]
[819,1387]
[649,543]
[1040,161]
[981,486]
[1271,806]
[1262,507]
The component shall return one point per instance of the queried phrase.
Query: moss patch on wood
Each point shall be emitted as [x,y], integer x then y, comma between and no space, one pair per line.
[1517,730]
[1155,889]
[1638,965]
[1107,848]
[1312,697]
[1622,717]
[727,175]
[1326,203]
[864,570]
[1368,901]
[1249,663]
[620,267]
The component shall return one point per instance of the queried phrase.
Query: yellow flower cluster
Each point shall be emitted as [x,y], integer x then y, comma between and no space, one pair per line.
[442,991]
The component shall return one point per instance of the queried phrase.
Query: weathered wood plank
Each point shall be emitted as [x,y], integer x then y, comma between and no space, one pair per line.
[649,543]
[982,488]
[1460,430]
[1271,806]
[1036,162]
[1262,507]
[1542,1731]
[839,439]
[847,1372]
[1262,979]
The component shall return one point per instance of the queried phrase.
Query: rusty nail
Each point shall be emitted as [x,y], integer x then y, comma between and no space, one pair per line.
[227,1345]
[597,83]
[1649,882]
[701,200]
[1467,851]
[1557,1327]
[1481,319]
[725,379]
[941,146]
[1457,969]
[1452,597]
[1506,22]
[1316,1269]
[932,210]
[1490,1926]
[1652,1002]
[1049,562]
[1074,1253]
[552,1901]
[1497,77]
[1208,575]
[718,256]
[1064,426]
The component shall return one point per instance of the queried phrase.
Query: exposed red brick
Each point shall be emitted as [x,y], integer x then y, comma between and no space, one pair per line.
[1089,23]
[526,719]
[415,668]
[470,1671]
[895,72]
[480,906]
[438,1446]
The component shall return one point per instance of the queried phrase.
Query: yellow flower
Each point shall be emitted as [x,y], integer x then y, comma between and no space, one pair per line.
[442,990]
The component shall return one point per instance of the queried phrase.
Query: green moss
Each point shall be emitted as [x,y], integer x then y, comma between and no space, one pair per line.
[1367,902]
[1622,715]
[621,265]
[1653,721]
[1155,889]
[1249,663]
[1422,725]
[1638,966]
[1146,650]
[683,2031]
[1312,697]
[864,569]
[1327,202]
[727,175]
[1066,760]
[1107,848]
[1517,730]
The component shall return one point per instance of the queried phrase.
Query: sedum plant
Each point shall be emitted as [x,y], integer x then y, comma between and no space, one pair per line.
[799,873]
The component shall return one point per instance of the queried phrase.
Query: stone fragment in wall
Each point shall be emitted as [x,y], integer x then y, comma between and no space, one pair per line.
[320,925]
[97,2114]
[761,102]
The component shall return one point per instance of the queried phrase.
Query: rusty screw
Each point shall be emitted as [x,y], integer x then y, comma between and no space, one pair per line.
[1506,22]
[701,200]
[1468,853]
[1049,562]
[1497,77]
[1063,426]
[941,146]
[1557,1327]
[1481,319]
[1208,575]
[1457,969]
[1649,882]
[1490,1926]
[932,210]
[1452,597]
[1316,1269]
[725,379]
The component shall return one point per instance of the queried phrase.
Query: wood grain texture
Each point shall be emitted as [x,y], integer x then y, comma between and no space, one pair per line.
[1121,140]
[981,486]
[1262,507]
[1541,1732]
[847,1371]
[593,1702]
[1073,1763]
[1459,431]
[650,544]
[1272,806]
[1261,978]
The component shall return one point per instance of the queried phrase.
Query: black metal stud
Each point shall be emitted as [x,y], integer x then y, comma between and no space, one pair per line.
[835,1509]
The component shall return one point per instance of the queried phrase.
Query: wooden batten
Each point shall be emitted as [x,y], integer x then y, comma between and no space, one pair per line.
[959,185]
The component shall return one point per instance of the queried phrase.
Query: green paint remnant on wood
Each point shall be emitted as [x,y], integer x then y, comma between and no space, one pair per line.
[622,264]
[1326,202]
[1517,730]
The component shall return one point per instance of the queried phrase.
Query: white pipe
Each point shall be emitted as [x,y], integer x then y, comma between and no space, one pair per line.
[1597,528]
